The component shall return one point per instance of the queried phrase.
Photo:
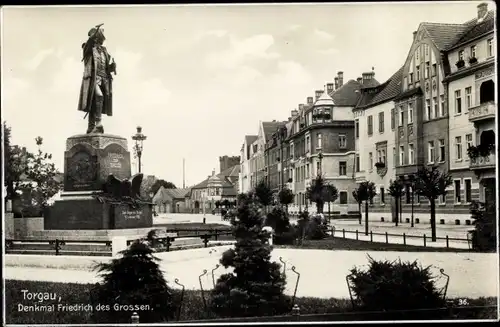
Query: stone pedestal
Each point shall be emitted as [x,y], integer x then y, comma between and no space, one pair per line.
[89,159]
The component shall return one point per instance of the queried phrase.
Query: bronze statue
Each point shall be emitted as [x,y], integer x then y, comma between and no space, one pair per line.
[96,92]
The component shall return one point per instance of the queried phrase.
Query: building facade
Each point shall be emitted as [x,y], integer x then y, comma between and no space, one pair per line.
[375,128]
[472,103]
[245,155]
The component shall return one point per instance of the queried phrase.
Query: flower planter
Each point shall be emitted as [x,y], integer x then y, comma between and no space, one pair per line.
[472,60]
[460,64]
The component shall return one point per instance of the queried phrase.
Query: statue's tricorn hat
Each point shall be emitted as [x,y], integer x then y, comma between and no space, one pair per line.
[93,31]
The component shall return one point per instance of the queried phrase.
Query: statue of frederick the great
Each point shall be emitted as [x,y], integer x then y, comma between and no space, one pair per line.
[96,92]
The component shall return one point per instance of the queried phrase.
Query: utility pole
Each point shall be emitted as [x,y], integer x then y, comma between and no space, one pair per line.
[183,173]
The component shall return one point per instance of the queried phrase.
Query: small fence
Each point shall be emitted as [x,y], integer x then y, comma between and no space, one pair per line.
[57,245]
[425,238]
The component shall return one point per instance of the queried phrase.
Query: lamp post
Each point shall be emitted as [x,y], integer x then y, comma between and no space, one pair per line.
[412,185]
[402,178]
[139,138]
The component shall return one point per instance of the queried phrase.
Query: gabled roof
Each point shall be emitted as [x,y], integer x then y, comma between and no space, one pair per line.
[391,90]
[225,177]
[163,194]
[231,171]
[444,35]
[346,95]
[249,139]
[410,93]
[475,31]
[270,127]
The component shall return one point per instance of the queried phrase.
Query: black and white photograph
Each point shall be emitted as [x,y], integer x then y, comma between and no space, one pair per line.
[249,163]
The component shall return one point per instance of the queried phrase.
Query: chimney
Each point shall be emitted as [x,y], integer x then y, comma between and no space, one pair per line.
[482,9]
[213,172]
[310,100]
[294,113]
[329,88]
[359,80]
[368,76]
[318,93]
[341,78]
[414,35]
[301,106]
[336,83]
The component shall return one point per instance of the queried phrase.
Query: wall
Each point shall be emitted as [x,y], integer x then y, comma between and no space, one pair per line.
[459,124]
[25,226]
[481,52]
[342,113]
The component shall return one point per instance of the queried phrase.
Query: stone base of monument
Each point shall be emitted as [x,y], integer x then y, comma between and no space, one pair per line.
[84,211]
[89,160]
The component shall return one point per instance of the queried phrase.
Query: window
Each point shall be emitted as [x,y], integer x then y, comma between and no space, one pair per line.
[426,48]
[308,170]
[468,140]
[417,53]
[393,118]
[458,102]
[490,47]
[401,155]
[434,69]
[370,125]
[308,143]
[319,141]
[458,148]
[292,150]
[461,55]
[380,122]
[370,160]
[394,156]
[383,156]
[342,168]
[441,98]
[405,81]
[418,73]
[411,154]
[356,128]
[408,194]
[342,141]
[343,197]
[457,191]
[357,163]
[430,153]
[468,97]
[428,109]
[442,152]
[468,190]
[401,116]
[442,199]
[427,70]
[410,78]
[473,51]
[435,103]
[410,112]
[382,195]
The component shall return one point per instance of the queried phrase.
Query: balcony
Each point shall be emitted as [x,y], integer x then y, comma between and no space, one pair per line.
[483,162]
[482,112]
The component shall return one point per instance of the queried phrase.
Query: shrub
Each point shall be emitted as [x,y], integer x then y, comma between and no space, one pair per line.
[395,285]
[256,285]
[484,233]
[317,228]
[134,279]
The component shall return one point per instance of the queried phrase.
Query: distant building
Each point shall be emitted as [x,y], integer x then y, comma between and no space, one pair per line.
[217,187]
[245,155]
[172,200]
[228,162]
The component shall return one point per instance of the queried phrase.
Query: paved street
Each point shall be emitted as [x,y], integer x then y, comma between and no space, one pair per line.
[322,273]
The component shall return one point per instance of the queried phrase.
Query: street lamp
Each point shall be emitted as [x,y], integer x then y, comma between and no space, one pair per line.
[402,178]
[139,138]
[412,185]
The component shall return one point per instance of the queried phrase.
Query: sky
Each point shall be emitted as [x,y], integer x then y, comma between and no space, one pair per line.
[197,78]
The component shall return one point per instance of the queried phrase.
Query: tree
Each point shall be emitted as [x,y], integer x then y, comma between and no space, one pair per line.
[432,183]
[316,193]
[484,232]
[286,197]
[41,173]
[255,286]
[263,193]
[397,190]
[226,203]
[356,197]
[135,278]
[217,204]
[366,192]
[14,163]
[331,195]
[161,182]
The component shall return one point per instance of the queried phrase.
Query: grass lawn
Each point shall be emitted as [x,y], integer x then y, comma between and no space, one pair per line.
[192,305]
[339,243]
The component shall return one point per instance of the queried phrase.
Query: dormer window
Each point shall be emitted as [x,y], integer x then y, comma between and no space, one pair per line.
[460,55]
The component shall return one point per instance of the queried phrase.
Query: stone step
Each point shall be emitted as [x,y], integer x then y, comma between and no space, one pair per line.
[88,247]
[61,252]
